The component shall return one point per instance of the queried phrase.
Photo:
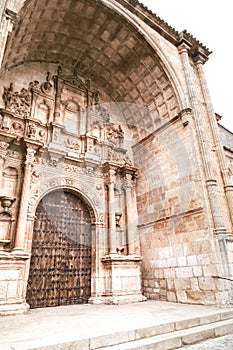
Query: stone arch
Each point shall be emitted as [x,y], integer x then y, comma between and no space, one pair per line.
[119,59]
[61,250]
[93,210]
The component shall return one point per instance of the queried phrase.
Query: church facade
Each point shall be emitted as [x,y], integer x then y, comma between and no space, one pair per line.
[116,178]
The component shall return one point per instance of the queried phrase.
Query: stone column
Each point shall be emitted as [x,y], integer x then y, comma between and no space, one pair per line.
[135,211]
[2,160]
[98,273]
[112,213]
[206,159]
[7,20]
[3,151]
[2,8]
[131,215]
[57,106]
[25,194]
[216,136]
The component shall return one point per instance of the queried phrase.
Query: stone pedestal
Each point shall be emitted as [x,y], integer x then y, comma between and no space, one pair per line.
[13,282]
[122,280]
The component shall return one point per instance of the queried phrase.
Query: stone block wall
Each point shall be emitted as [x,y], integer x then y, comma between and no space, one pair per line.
[180,253]
[180,268]
[12,284]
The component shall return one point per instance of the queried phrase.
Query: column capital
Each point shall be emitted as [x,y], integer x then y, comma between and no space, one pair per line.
[111,177]
[110,172]
[199,62]
[187,43]
[183,48]
[127,171]
[127,185]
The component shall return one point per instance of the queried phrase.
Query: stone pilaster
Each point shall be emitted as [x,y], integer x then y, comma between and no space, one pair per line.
[216,136]
[25,194]
[2,7]
[7,18]
[206,159]
[2,160]
[99,246]
[3,150]
[111,213]
[135,213]
[58,88]
[131,215]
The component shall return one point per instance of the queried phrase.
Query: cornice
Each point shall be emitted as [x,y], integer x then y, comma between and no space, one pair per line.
[197,51]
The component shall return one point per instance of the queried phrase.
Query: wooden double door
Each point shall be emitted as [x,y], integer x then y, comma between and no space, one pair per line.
[60,267]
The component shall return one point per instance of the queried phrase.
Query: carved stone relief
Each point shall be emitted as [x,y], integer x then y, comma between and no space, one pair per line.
[70,156]
[39,190]
[18,102]
[6,220]
[82,127]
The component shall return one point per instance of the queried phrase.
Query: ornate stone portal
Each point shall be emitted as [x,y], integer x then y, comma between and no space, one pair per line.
[57,136]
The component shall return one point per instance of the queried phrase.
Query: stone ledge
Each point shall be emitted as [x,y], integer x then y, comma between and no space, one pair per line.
[89,327]
[112,258]
[177,339]
[14,255]
[118,299]
[14,309]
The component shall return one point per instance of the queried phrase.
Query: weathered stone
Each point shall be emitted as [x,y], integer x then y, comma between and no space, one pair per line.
[106,125]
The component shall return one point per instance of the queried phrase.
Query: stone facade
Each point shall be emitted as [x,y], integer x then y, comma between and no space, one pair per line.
[105,101]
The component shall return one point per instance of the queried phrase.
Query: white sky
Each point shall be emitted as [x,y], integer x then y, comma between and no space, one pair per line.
[211,22]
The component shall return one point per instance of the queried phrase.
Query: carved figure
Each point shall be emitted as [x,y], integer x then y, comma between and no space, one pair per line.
[115,134]
[18,102]
[95,98]
[4,145]
[127,161]
[31,130]
[47,86]
[7,95]
[59,70]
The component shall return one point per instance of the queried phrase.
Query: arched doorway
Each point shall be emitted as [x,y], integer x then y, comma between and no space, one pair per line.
[60,268]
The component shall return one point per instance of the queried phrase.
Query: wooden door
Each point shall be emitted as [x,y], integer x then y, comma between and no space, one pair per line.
[60,267]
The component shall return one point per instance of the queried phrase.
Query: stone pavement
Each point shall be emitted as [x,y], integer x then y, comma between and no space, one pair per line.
[221,343]
[134,326]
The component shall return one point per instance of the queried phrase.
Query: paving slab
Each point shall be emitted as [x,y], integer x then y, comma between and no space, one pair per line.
[221,343]
[96,325]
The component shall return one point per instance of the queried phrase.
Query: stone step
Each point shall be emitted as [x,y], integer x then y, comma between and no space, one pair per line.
[170,335]
[177,339]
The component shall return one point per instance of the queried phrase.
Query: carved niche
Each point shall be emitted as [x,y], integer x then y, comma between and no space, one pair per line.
[6,220]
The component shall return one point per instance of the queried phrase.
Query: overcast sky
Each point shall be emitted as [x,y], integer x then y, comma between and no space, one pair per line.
[210,21]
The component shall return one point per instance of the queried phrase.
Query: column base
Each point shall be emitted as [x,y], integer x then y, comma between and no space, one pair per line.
[122,280]
[14,309]
[20,253]
[13,283]
[220,231]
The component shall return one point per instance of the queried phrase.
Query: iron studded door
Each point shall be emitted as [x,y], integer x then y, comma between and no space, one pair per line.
[60,268]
